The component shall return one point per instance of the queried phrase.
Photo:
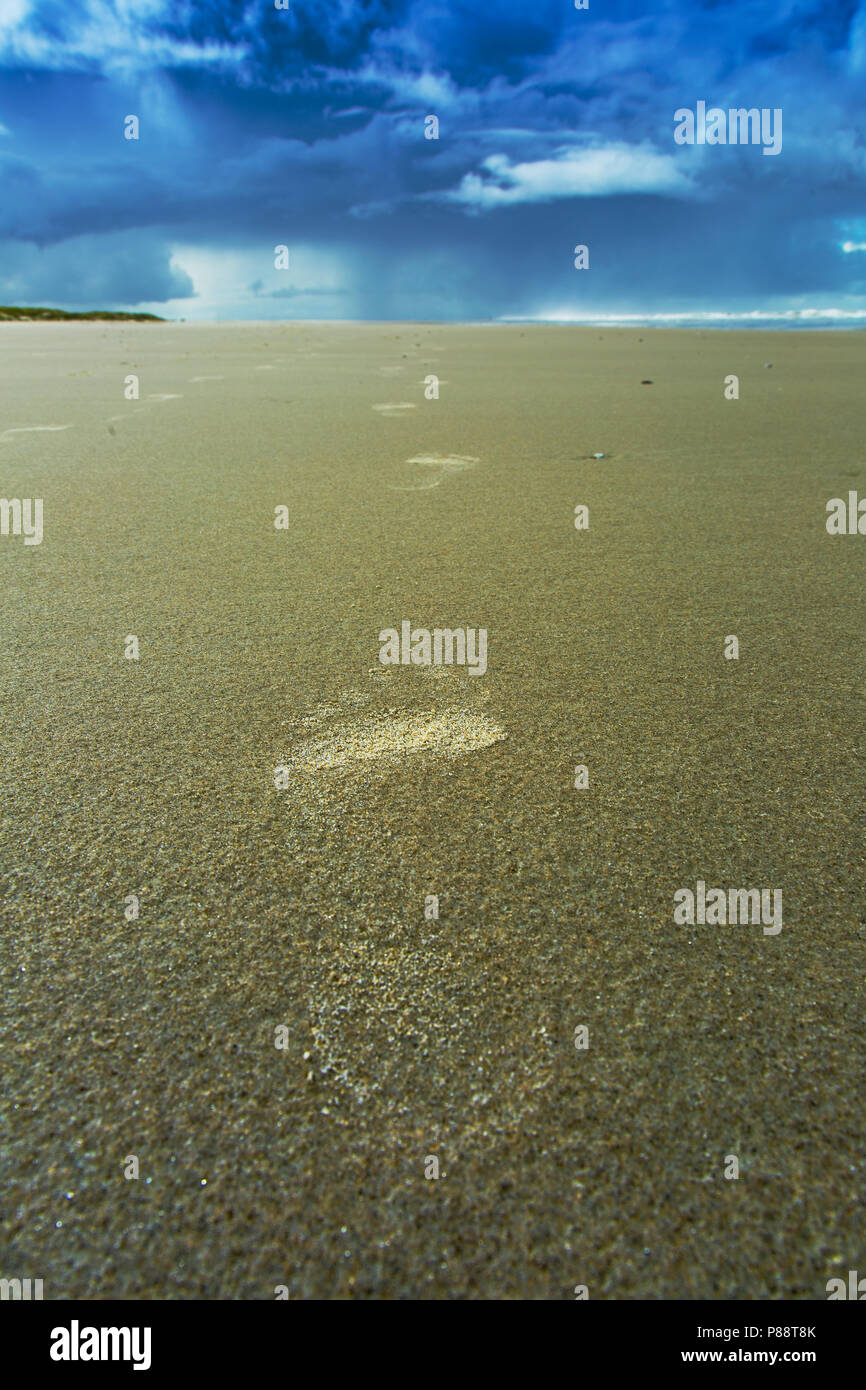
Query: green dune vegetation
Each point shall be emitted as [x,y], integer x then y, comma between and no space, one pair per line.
[27,315]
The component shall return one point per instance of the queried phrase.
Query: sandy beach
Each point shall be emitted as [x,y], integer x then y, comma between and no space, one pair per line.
[301,907]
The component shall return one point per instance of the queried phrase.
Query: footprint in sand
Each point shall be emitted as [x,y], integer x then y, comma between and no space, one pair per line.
[356,743]
[398,982]
[408,976]
[33,429]
[441,466]
[394,409]
[389,739]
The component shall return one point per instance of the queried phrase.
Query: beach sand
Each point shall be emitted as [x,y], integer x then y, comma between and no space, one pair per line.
[406,1037]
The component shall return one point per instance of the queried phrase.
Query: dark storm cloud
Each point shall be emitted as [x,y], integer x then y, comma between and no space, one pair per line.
[91,270]
[261,126]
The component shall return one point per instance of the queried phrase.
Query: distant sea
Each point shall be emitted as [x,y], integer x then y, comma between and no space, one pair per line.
[756,318]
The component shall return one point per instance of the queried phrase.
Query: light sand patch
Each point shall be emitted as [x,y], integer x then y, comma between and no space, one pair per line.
[449,733]
[321,716]
[442,466]
[33,429]
[441,673]
[207,378]
[393,409]
[350,699]
[389,371]
[267,368]
[452,461]
[164,396]
[416,487]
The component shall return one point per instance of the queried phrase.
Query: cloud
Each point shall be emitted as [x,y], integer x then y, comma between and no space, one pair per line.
[99,33]
[92,271]
[571,173]
[13,13]
[305,127]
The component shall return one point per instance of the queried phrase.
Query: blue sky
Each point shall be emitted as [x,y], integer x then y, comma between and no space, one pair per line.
[262,127]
